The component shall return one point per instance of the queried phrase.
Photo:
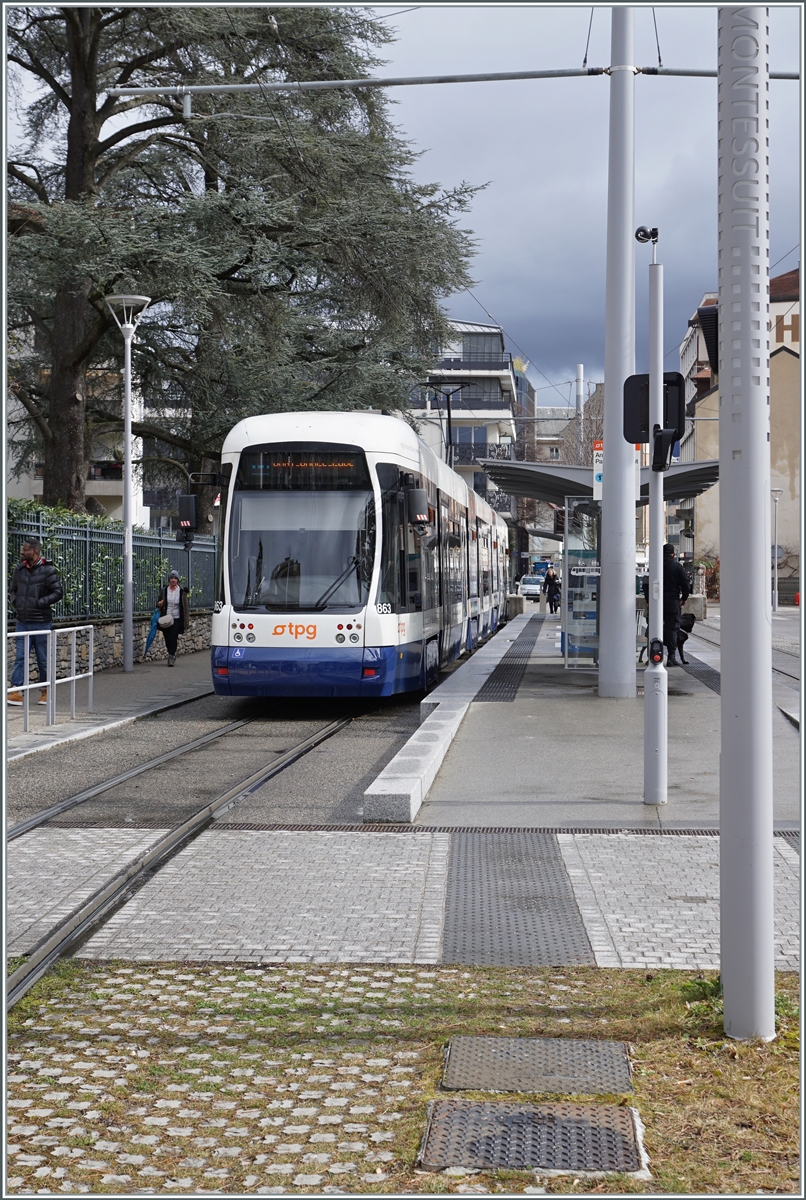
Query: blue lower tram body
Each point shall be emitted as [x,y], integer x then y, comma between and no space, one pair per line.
[292,671]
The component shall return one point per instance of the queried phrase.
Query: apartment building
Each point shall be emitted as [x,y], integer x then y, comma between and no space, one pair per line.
[697,520]
[467,409]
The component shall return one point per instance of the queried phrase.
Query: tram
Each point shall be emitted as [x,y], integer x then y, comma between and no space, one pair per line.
[353,561]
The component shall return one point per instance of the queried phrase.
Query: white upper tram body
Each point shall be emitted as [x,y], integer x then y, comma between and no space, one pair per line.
[327,587]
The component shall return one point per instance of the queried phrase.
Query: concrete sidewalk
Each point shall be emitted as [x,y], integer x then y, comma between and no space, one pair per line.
[558,756]
[117,699]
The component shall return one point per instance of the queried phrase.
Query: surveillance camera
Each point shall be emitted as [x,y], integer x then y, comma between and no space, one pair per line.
[642,234]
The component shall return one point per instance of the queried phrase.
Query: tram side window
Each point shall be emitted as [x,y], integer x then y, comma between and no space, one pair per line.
[392,583]
[473,561]
[456,555]
[429,558]
[484,558]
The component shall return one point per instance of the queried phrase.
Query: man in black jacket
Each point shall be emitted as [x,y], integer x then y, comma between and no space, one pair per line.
[676,591]
[35,586]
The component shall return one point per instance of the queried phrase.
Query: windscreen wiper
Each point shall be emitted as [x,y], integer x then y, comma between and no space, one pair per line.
[354,561]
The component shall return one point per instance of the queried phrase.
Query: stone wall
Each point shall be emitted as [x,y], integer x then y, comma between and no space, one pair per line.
[108,643]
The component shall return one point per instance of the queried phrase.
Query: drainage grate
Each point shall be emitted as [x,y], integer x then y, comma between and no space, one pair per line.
[570,1066]
[707,675]
[503,683]
[509,903]
[549,1137]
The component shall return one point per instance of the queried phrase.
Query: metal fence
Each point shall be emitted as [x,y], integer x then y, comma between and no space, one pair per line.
[90,562]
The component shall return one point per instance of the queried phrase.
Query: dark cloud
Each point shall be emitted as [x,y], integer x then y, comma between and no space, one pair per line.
[543,145]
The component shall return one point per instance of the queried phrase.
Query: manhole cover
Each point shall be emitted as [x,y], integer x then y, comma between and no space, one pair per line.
[549,1137]
[565,1065]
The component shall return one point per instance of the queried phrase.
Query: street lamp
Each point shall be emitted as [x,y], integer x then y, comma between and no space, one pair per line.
[131,309]
[776,492]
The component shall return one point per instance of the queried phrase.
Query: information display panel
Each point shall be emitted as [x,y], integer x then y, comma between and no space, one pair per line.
[581,575]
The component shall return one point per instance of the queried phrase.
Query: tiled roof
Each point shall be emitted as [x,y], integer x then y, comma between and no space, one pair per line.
[785,287]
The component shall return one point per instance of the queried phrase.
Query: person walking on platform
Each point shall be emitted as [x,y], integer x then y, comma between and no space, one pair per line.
[551,587]
[174,606]
[35,587]
[676,591]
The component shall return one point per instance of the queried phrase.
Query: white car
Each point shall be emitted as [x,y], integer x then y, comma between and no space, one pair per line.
[531,586]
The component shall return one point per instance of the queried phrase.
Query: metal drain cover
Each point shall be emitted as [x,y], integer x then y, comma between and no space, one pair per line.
[520,1137]
[490,1064]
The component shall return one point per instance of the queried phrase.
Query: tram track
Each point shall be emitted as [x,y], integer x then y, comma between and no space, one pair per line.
[107,898]
[55,810]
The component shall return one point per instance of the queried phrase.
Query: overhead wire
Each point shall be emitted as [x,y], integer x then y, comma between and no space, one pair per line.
[514,343]
[587,44]
[657,42]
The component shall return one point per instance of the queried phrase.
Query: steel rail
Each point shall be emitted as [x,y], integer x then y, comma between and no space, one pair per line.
[47,814]
[108,896]
[776,670]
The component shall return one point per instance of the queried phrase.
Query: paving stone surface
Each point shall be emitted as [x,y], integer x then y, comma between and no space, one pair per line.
[99,1100]
[50,871]
[654,901]
[273,896]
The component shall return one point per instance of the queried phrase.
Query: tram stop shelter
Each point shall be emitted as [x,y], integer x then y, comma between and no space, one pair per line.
[571,487]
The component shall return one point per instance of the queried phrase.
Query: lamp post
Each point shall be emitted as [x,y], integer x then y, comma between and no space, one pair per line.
[776,493]
[131,309]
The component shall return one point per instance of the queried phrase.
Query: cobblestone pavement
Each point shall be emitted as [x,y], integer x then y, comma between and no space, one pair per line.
[132,1111]
[50,871]
[276,896]
[654,901]
[200,1079]
[317,896]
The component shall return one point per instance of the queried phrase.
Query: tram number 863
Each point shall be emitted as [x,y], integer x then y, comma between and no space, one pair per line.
[383,609]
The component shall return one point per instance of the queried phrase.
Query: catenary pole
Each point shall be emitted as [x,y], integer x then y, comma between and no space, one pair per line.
[617,603]
[655,677]
[745,777]
[580,403]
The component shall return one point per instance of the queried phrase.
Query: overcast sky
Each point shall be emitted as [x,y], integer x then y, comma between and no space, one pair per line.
[542,147]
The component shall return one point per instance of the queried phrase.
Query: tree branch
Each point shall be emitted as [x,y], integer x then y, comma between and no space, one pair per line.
[37,68]
[171,461]
[36,185]
[132,130]
[36,416]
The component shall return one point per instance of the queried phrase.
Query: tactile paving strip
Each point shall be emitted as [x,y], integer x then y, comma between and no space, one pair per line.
[707,675]
[567,1065]
[509,903]
[549,1137]
[503,683]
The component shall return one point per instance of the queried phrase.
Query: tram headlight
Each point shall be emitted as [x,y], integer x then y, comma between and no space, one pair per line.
[354,637]
[250,637]
[237,637]
[339,637]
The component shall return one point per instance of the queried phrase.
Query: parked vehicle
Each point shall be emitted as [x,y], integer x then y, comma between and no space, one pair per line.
[530,586]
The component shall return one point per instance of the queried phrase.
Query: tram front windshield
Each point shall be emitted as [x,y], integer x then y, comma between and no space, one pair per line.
[301,530]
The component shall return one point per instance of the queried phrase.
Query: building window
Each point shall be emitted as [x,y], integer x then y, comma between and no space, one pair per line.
[480,483]
[554,453]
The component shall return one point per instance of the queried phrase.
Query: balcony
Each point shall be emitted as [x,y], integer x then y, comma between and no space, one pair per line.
[480,361]
[467,453]
[500,502]
[105,470]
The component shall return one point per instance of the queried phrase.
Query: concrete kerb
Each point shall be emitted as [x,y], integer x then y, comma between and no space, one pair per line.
[399,791]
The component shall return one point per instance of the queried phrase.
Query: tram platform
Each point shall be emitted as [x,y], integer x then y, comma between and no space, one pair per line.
[543,750]
[118,698]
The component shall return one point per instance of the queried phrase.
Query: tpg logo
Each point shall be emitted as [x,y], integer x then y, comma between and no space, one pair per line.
[295,631]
